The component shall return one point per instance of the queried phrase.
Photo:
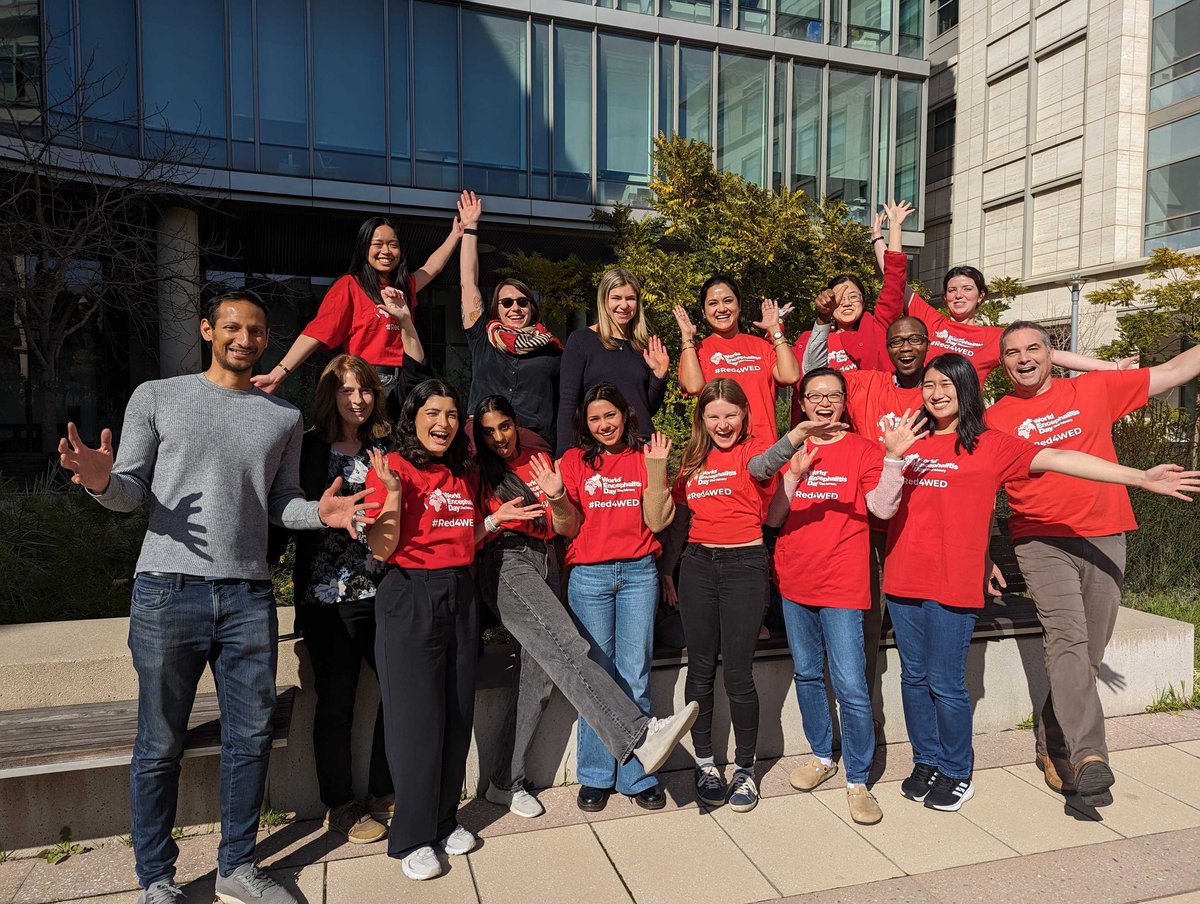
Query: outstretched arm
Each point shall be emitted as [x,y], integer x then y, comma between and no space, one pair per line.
[1083,364]
[1183,368]
[438,260]
[1165,480]
[470,209]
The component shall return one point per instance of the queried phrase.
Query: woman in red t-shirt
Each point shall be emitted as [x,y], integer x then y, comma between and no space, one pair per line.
[426,623]
[619,484]
[822,558]
[759,366]
[950,485]
[369,311]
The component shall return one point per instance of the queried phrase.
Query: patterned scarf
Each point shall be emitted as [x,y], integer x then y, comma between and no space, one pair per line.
[523,341]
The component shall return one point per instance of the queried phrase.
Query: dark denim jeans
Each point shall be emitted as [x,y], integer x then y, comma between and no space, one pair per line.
[933,640]
[177,625]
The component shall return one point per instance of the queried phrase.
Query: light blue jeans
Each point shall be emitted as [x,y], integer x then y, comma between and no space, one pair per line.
[813,633]
[614,604]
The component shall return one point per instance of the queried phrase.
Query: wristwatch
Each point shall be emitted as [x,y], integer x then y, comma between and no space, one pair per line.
[777,335]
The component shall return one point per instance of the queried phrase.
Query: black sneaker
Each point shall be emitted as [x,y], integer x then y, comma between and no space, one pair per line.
[710,787]
[948,794]
[917,785]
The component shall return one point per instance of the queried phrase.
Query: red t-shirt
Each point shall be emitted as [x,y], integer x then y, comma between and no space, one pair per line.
[873,400]
[437,514]
[520,466]
[611,502]
[823,554]
[1072,414]
[749,361]
[938,540]
[978,344]
[728,506]
[349,317]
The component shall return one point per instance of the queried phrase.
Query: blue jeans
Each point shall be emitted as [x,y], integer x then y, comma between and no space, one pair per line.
[177,625]
[813,632]
[933,640]
[614,604]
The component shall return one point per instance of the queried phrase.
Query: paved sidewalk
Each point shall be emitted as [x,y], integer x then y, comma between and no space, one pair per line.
[1016,841]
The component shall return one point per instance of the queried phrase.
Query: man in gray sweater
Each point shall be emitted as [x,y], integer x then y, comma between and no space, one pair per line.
[216,459]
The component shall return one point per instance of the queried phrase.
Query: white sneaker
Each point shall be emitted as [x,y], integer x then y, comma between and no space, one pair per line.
[662,735]
[459,842]
[519,802]
[421,864]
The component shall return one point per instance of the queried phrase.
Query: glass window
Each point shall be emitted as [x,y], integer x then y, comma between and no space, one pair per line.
[870,25]
[1175,35]
[742,116]
[435,113]
[910,28]
[636,6]
[1179,89]
[241,84]
[59,60]
[801,19]
[541,110]
[1173,190]
[282,87]
[695,93]
[754,15]
[349,125]
[947,15]
[941,143]
[401,126]
[666,88]
[688,10]
[883,139]
[572,114]
[108,42]
[835,21]
[494,103]
[1175,140]
[849,143]
[623,119]
[806,129]
[908,142]
[779,123]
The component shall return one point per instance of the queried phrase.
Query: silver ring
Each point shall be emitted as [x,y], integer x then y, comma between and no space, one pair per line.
[360,513]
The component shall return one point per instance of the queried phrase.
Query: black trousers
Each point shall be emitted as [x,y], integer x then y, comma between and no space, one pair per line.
[721,593]
[425,649]
[339,639]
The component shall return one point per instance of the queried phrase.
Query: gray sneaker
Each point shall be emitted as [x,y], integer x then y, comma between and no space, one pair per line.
[662,735]
[249,885]
[164,892]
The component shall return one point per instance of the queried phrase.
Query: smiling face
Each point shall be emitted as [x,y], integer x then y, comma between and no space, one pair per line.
[941,398]
[383,254]
[907,345]
[622,305]
[437,424]
[354,403]
[962,297]
[606,423]
[500,434]
[849,304]
[721,309]
[513,307]
[239,336]
[724,422]
[824,399]
[1026,358]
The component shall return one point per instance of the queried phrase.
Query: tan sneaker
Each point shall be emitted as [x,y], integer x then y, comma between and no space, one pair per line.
[352,820]
[1053,771]
[811,774]
[382,808]
[864,808]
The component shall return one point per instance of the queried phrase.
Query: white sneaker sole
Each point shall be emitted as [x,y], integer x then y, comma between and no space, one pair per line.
[957,805]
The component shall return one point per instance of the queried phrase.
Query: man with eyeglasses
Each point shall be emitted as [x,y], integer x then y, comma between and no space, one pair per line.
[216,458]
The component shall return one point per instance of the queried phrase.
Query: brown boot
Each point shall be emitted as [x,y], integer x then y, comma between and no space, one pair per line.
[352,820]
[1053,769]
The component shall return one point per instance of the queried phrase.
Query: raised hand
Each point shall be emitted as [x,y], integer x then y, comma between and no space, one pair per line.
[547,475]
[897,212]
[770,317]
[92,467]
[900,438]
[659,447]
[877,219]
[470,209]
[687,329]
[346,512]
[379,464]
[799,463]
[824,304]
[806,430]
[656,357]
[1171,480]
[396,304]
[516,510]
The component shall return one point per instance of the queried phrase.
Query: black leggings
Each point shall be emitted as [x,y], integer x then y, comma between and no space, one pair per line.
[721,593]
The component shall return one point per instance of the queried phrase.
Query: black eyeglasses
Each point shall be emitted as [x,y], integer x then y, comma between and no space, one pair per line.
[834,397]
[901,341]
[521,302]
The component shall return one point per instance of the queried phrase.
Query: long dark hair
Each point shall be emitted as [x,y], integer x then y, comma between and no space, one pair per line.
[592,450]
[327,423]
[366,275]
[497,478]
[970,398]
[457,457]
[827,372]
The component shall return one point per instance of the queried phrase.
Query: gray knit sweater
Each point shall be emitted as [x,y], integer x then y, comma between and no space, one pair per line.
[215,464]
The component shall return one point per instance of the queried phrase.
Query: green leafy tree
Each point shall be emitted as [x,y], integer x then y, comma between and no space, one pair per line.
[1168,306]
[1002,292]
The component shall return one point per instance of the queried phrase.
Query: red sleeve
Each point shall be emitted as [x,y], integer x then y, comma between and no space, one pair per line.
[1126,390]
[335,317]
[1011,454]
[871,470]
[890,303]
[924,312]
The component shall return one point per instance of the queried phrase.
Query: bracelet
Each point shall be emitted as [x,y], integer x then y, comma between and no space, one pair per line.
[490,525]
[287,370]
[878,238]
[781,340]
[895,461]
[686,347]
[470,231]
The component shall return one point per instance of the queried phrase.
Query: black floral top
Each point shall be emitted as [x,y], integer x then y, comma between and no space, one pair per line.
[343,569]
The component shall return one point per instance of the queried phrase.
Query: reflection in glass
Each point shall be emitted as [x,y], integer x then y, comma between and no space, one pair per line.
[572,114]
[540,94]
[623,119]
[742,116]
[849,141]
[695,93]
[59,59]
[666,88]
[435,112]
[883,142]
[494,106]
[241,84]
[908,141]
[1173,92]
[870,25]
[801,19]
[754,16]
[806,129]
[1173,190]
[688,10]
[348,119]
[282,87]
[635,6]
[1170,142]
[910,28]
[779,124]
[108,41]
[1175,35]
[397,48]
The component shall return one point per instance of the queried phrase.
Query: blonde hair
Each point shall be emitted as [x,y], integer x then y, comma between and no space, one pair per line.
[700,443]
[638,334]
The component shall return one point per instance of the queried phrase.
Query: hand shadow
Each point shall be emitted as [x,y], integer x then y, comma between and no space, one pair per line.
[1114,681]
[177,524]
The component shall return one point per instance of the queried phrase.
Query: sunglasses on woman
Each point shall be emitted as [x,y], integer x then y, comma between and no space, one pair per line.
[521,302]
